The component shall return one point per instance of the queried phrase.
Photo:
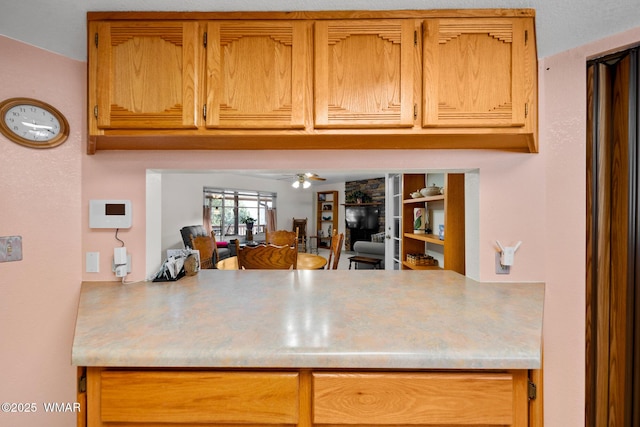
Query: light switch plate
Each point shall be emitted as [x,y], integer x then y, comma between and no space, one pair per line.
[93,262]
[10,248]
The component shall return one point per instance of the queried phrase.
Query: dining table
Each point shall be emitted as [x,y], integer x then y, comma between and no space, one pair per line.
[306,261]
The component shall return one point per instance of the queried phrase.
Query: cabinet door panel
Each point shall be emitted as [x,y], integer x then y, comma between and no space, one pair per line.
[474,73]
[198,397]
[364,73]
[417,399]
[256,74]
[145,75]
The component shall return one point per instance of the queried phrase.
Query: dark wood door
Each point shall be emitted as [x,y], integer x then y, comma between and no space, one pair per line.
[613,244]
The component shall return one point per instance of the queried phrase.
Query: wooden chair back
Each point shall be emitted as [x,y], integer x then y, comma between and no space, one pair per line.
[335,251]
[300,226]
[208,250]
[266,257]
[282,237]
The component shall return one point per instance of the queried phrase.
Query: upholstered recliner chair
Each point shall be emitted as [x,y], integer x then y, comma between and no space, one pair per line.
[199,231]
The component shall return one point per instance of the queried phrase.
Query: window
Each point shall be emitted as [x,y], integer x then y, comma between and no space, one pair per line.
[229,209]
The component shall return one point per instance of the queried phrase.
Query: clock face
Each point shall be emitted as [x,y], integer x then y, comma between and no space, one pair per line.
[33,123]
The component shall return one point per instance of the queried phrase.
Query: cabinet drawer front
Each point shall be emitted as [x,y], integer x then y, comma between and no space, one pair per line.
[182,397]
[430,398]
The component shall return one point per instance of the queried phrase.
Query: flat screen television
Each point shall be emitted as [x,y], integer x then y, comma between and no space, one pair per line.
[362,217]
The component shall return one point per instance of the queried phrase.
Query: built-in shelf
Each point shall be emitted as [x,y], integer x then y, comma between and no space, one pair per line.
[326,205]
[429,238]
[450,252]
[420,267]
[424,199]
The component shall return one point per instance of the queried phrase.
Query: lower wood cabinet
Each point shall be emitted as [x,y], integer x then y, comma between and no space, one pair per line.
[420,398]
[194,397]
[170,397]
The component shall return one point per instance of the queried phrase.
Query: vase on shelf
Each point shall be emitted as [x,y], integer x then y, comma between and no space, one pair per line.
[419,220]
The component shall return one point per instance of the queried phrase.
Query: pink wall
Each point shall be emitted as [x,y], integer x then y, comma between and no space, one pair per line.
[563,132]
[538,199]
[501,212]
[40,193]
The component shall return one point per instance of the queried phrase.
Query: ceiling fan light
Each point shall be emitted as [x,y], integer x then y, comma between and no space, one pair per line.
[306,184]
[295,184]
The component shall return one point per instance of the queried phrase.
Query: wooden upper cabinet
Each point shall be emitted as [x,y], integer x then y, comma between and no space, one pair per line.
[143,75]
[257,74]
[364,74]
[312,80]
[475,73]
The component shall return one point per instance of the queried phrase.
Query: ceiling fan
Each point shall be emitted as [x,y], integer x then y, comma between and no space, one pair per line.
[302,179]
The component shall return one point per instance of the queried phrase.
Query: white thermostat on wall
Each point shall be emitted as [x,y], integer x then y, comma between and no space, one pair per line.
[109,213]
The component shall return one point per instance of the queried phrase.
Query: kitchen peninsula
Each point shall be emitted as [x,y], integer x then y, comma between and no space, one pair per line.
[310,347]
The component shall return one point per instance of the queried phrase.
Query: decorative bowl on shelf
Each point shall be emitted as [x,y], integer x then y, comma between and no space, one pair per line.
[416,194]
[432,190]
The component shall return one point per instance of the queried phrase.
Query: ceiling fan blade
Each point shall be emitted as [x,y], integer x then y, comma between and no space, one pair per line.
[314,177]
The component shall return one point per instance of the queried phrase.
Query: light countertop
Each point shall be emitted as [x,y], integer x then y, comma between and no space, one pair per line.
[356,319]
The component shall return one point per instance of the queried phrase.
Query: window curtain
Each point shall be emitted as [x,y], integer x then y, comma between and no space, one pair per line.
[206,218]
[271,220]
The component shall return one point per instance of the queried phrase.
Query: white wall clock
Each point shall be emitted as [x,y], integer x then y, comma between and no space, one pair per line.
[32,123]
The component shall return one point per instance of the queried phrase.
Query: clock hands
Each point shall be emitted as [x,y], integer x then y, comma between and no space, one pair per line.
[38,128]
[35,126]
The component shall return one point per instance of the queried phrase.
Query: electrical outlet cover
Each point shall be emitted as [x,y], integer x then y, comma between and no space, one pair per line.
[10,248]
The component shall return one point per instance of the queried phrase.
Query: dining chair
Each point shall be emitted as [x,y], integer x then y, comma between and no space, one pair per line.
[208,249]
[282,237]
[335,251]
[266,257]
[300,225]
